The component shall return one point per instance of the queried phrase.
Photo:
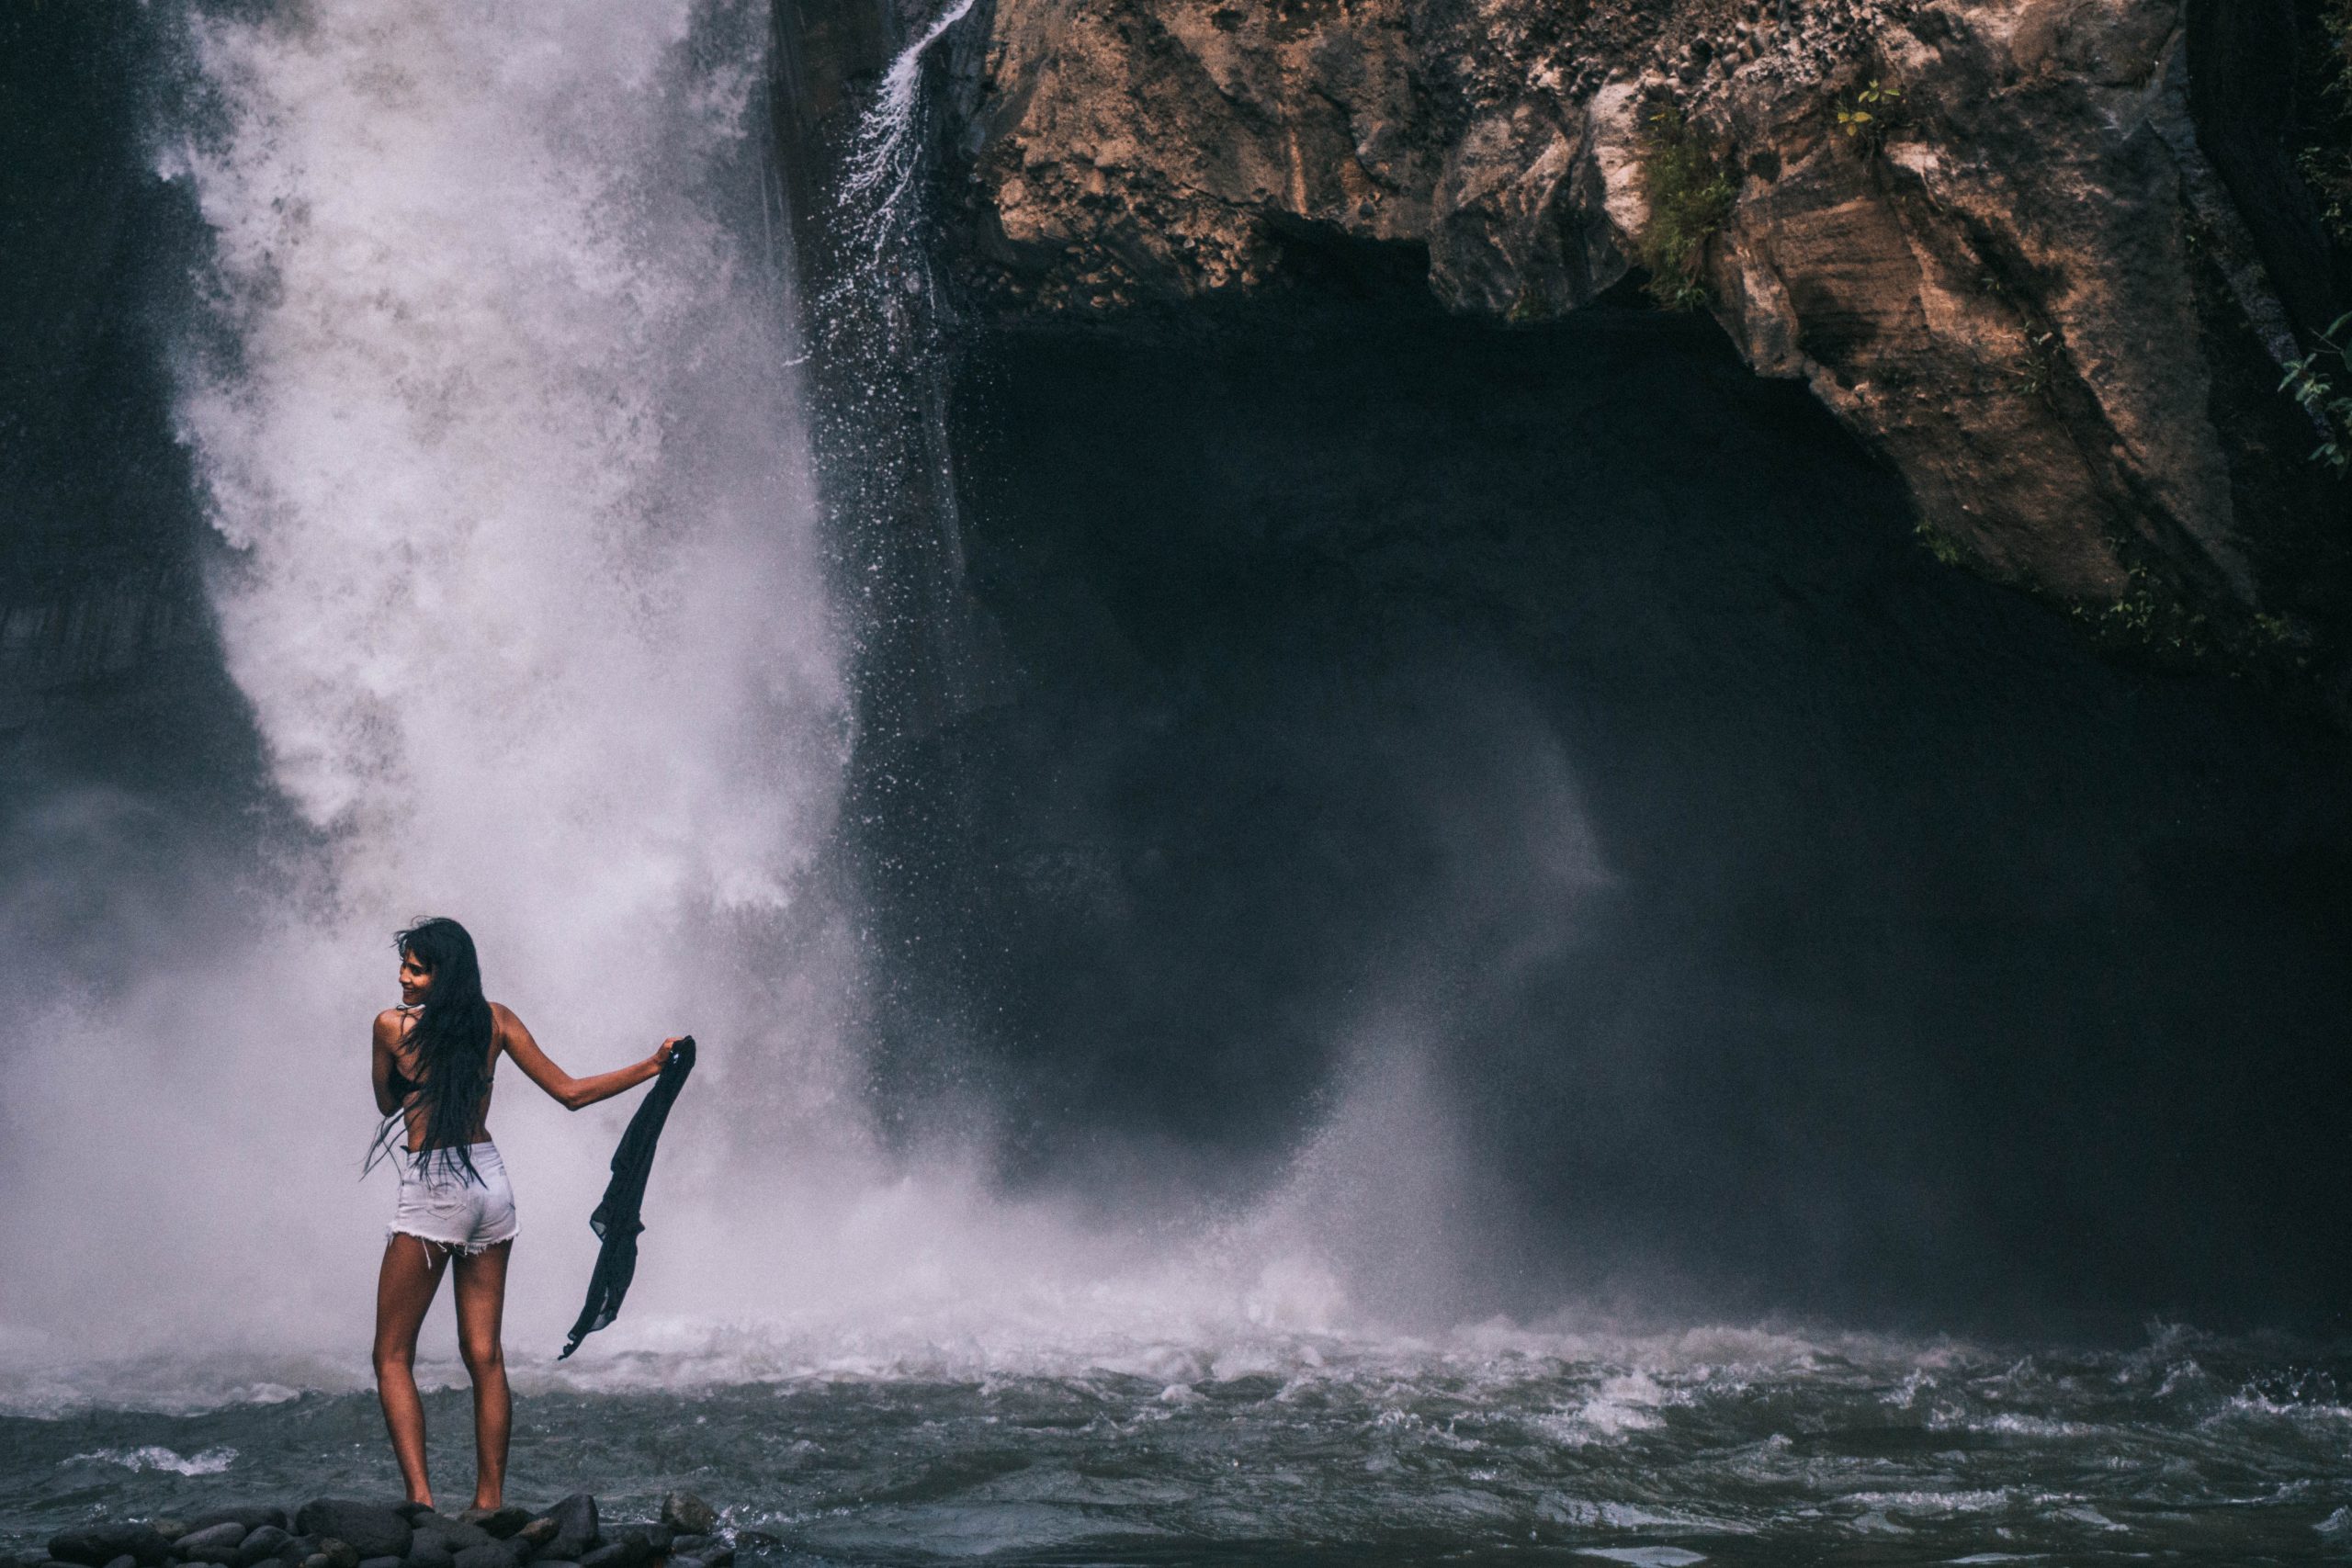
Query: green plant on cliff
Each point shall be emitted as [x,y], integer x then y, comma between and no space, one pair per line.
[2324,159]
[1865,114]
[1938,543]
[2038,366]
[1689,196]
[2151,620]
[2313,382]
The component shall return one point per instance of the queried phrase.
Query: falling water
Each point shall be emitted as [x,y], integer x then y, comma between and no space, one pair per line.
[490,404]
[881,184]
[524,588]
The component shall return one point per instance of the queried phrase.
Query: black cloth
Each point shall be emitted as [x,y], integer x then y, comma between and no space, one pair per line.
[615,1218]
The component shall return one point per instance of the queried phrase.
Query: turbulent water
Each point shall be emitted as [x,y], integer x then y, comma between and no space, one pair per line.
[487,381]
[1487,1445]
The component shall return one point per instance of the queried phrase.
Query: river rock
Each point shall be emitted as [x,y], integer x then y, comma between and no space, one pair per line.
[170,1529]
[98,1545]
[489,1554]
[430,1552]
[453,1535]
[119,1562]
[687,1514]
[251,1517]
[500,1523]
[657,1537]
[262,1544]
[332,1554]
[380,1563]
[575,1528]
[628,1552]
[218,1543]
[371,1529]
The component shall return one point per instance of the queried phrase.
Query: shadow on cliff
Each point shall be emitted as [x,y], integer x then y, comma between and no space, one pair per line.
[1810,928]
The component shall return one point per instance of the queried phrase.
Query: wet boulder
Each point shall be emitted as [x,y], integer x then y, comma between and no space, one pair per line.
[489,1555]
[263,1544]
[497,1523]
[371,1529]
[628,1551]
[251,1517]
[220,1543]
[687,1514]
[95,1545]
[575,1528]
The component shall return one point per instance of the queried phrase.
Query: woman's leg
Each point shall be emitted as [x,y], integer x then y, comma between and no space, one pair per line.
[481,1309]
[404,1288]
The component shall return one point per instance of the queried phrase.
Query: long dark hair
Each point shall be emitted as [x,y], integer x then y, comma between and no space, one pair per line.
[452,1048]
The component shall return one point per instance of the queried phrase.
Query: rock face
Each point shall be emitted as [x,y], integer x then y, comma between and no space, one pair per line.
[2020,281]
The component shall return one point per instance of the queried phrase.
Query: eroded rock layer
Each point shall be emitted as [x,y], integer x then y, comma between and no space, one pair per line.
[2019,279]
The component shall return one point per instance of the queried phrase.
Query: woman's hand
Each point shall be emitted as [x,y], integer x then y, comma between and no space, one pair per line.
[662,1052]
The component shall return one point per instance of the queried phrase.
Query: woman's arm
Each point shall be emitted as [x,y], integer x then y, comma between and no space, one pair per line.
[383,1061]
[562,1088]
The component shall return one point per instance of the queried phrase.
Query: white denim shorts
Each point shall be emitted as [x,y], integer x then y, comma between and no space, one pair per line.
[446,1207]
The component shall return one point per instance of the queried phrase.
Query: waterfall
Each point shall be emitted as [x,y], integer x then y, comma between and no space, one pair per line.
[491,403]
[494,412]
[881,176]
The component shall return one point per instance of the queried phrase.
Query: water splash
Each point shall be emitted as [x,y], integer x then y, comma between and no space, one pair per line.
[882,175]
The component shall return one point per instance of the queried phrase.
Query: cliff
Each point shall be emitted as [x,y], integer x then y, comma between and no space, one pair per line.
[1988,235]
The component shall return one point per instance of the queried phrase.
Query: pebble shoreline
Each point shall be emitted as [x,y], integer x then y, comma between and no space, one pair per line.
[341,1532]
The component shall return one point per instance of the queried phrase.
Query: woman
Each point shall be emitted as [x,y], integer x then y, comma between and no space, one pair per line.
[433,1060]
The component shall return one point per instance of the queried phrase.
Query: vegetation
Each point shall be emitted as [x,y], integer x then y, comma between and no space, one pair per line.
[1938,543]
[2150,620]
[2325,158]
[2038,367]
[1689,196]
[2312,382]
[1866,114]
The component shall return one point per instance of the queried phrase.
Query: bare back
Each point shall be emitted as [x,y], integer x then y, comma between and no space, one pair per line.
[394,1026]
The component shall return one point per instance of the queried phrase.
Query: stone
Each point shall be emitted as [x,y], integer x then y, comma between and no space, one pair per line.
[575,1528]
[436,1540]
[689,1545]
[98,1545]
[2022,297]
[372,1529]
[534,1534]
[263,1543]
[498,1523]
[657,1537]
[493,1554]
[252,1517]
[687,1514]
[625,1552]
[212,1543]
[379,1563]
[170,1529]
[336,1554]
